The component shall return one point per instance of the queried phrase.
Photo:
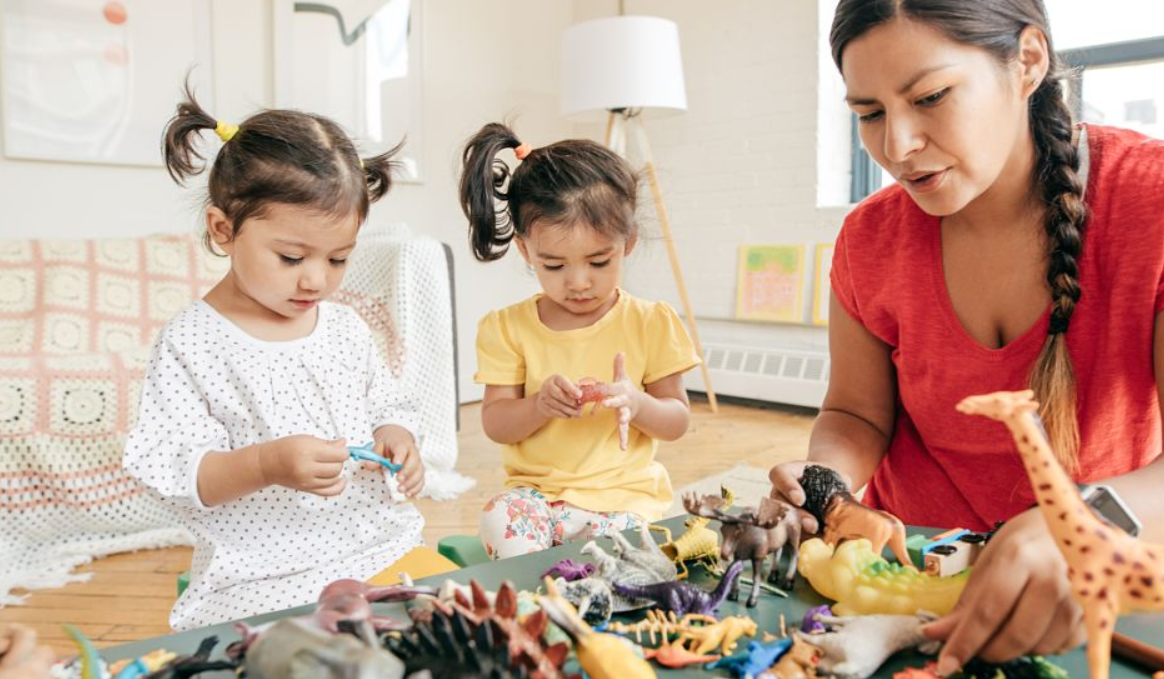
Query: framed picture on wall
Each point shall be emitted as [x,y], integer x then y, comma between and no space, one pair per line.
[358,62]
[822,289]
[94,81]
[770,283]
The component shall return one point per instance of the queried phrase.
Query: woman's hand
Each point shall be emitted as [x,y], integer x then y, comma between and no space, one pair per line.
[20,657]
[786,487]
[396,443]
[622,395]
[559,398]
[1018,600]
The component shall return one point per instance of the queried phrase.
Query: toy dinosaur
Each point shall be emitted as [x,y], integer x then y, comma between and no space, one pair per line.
[840,516]
[673,655]
[681,596]
[648,556]
[862,582]
[525,645]
[1109,570]
[697,638]
[365,453]
[601,656]
[855,647]
[799,662]
[452,643]
[140,667]
[752,536]
[591,596]
[759,657]
[612,569]
[569,570]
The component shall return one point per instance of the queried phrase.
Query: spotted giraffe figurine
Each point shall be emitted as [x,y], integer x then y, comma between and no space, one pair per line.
[1110,571]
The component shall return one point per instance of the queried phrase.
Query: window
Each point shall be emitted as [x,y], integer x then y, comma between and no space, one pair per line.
[1118,55]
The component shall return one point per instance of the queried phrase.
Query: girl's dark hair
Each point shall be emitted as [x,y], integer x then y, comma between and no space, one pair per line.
[995,26]
[570,182]
[276,156]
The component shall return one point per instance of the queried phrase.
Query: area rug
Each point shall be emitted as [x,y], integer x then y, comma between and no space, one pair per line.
[749,484]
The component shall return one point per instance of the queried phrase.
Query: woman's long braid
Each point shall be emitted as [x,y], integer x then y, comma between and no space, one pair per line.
[1053,377]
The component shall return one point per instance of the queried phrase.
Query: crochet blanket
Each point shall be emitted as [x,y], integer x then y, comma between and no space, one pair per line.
[77,319]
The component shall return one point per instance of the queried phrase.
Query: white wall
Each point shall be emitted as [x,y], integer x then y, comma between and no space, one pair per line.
[484,61]
[743,164]
[740,166]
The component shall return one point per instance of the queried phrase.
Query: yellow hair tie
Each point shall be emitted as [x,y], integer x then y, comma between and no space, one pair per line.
[225,132]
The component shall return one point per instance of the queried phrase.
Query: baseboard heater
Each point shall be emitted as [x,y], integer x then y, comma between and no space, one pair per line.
[774,374]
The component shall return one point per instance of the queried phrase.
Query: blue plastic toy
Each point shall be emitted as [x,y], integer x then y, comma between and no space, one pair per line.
[759,657]
[365,453]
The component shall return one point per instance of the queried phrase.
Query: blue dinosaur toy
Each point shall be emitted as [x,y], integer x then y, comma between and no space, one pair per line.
[759,657]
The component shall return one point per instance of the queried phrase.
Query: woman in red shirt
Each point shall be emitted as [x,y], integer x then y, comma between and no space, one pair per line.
[1016,250]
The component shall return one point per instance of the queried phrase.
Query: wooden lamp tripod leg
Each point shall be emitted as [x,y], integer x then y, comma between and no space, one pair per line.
[641,139]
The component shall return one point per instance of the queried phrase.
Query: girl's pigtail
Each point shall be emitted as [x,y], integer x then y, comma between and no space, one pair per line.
[183,159]
[379,170]
[484,181]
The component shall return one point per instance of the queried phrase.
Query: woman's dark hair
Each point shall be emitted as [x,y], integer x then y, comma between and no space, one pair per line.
[995,26]
[570,182]
[276,156]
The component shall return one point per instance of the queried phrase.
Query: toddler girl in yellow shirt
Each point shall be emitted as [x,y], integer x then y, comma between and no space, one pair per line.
[570,208]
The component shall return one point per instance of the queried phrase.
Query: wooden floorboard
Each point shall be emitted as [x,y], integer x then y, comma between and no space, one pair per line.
[129,595]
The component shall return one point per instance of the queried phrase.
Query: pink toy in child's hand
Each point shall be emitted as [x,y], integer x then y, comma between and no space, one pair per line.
[596,392]
[593,391]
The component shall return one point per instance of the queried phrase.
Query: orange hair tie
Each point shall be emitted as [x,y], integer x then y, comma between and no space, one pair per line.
[522,151]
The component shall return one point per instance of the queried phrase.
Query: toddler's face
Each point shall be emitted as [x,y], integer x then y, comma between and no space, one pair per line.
[578,268]
[291,258]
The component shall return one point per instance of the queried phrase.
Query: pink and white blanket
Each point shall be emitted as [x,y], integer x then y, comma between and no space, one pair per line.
[77,319]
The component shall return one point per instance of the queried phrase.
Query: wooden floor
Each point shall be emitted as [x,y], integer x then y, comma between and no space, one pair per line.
[130,595]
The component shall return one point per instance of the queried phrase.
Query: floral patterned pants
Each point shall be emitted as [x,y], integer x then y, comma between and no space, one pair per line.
[521,521]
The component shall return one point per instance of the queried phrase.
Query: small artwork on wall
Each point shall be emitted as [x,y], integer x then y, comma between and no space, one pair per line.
[770,283]
[94,81]
[822,289]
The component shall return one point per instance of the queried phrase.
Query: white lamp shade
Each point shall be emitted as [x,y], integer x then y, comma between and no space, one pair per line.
[622,62]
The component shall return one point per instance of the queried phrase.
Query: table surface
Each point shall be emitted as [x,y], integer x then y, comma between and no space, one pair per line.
[524,572]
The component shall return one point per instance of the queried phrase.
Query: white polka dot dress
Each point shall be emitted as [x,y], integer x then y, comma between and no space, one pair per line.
[211,387]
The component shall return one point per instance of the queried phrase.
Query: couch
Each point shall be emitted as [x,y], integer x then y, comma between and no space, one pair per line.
[77,319]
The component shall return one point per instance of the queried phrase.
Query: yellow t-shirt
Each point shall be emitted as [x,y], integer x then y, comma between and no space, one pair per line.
[579,460]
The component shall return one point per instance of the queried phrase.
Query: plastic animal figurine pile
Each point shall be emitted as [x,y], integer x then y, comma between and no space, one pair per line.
[1110,571]
[798,662]
[753,535]
[601,656]
[629,566]
[841,516]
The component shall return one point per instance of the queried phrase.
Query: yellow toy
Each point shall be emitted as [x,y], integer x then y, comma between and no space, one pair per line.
[697,543]
[697,638]
[864,583]
[600,655]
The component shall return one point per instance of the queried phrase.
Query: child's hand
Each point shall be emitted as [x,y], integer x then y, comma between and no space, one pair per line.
[623,396]
[396,443]
[20,657]
[559,397]
[304,463]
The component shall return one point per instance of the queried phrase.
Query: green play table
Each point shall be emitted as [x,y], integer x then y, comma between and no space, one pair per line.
[524,573]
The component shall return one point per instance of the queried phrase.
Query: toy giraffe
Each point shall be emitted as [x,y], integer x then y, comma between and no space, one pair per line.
[1110,571]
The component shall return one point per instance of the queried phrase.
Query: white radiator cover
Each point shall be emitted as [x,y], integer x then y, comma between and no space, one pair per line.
[776,374]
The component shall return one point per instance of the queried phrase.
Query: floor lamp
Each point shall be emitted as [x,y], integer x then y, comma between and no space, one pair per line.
[626,66]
